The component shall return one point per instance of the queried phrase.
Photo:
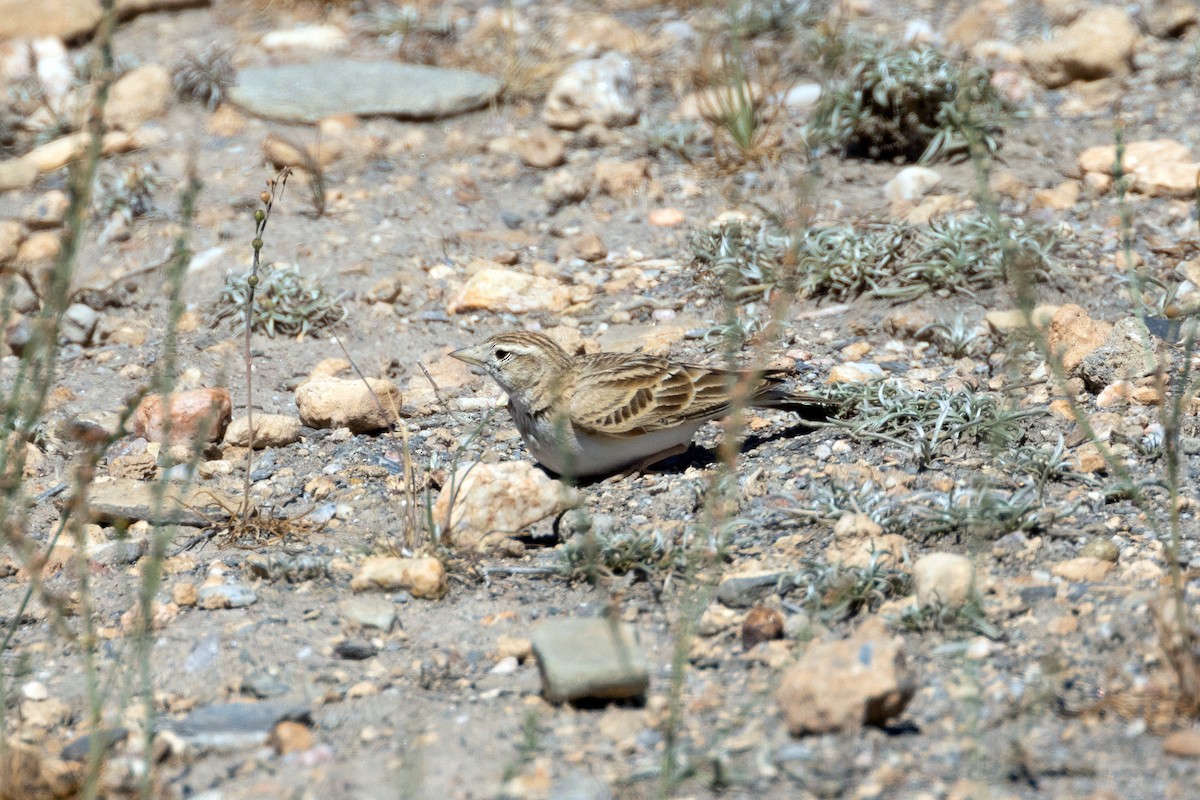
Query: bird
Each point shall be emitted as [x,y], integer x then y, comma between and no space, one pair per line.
[586,416]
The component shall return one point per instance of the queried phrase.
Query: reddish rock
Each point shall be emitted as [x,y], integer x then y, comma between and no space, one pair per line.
[192,413]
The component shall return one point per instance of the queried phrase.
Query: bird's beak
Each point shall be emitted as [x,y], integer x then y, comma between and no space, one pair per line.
[471,355]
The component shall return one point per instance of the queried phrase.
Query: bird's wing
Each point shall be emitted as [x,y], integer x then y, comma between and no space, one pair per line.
[619,395]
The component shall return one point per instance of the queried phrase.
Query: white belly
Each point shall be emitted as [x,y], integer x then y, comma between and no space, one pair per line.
[570,452]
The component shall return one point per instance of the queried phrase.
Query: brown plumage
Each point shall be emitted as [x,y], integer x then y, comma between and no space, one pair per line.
[595,414]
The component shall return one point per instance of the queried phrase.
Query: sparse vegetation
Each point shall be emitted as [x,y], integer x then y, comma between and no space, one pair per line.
[205,77]
[288,304]
[913,104]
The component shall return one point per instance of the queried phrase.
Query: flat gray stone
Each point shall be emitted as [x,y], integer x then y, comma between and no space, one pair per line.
[310,92]
[589,659]
[368,611]
[235,726]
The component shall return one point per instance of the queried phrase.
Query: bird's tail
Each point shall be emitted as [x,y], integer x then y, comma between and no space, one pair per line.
[775,393]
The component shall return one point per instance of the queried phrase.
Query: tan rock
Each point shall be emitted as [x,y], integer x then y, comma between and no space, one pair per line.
[564,187]
[11,235]
[1006,322]
[1073,335]
[1059,198]
[541,148]
[290,737]
[138,96]
[190,414]
[270,430]
[1088,459]
[48,211]
[888,550]
[62,19]
[72,147]
[503,499]
[349,403]
[17,174]
[619,178]
[420,577]
[1158,167]
[588,246]
[1185,743]
[843,685]
[1082,569]
[591,35]
[945,579]
[853,373]
[450,375]
[507,291]
[39,249]
[974,24]
[1098,44]
[666,217]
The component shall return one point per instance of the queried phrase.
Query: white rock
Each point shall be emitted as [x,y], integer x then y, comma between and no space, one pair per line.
[322,38]
[947,579]
[485,499]
[910,184]
[598,90]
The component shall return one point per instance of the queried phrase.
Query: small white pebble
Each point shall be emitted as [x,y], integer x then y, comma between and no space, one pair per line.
[35,690]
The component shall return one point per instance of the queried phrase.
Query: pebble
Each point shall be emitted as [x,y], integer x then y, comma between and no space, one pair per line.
[910,184]
[1158,167]
[190,414]
[945,579]
[503,499]
[48,211]
[507,291]
[745,589]
[236,726]
[349,403]
[843,685]
[311,91]
[1083,569]
[589,659]
[369,612]
[270,430]
[1127,352]
[226,595]
[1073,335]
[666,217]
[1098,44]
[78,324]
[762,624]
[565,187]
[317,38]
[138,96]
[422,577]
[1185,743]
[600,91]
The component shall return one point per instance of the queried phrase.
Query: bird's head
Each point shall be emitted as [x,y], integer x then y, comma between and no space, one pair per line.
[518,361]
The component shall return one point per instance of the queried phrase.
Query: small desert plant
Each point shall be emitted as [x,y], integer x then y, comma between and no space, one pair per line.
[896,261]
[127,191]
[287,303]
[912,103]
[839,591]
[929,421]
[613,552]
[969,617]
[205,77]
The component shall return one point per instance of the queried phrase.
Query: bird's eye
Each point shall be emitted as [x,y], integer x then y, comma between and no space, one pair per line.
[502,354]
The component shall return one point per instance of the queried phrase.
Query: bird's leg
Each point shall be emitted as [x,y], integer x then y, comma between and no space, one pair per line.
[639,467]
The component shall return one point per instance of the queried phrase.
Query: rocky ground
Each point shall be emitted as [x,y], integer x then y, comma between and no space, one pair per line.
[959,589]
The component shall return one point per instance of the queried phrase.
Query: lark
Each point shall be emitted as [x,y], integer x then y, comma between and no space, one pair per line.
[605,413]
